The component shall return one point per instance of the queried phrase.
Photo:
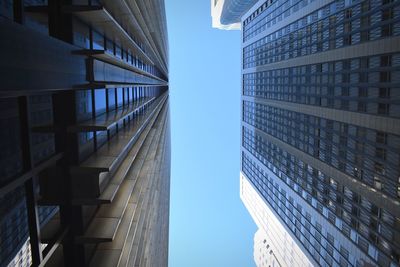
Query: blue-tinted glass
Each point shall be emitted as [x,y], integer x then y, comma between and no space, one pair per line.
[6,9]
[118,51]
[100,100]
[130,94]
[98,40]
[83,104]
[109,46]
[134,94]
[111,98]
[85,137]
[120,97]
[81,34]
[126,97]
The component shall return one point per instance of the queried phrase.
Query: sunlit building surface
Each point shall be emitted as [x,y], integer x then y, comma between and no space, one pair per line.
[273,245]
[84,127]
[320,124]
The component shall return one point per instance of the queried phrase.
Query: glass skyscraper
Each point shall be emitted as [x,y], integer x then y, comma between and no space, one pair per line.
[273,245]
[85,138]
[320,124]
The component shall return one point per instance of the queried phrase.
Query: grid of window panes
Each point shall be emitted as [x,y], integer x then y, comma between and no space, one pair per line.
[333,26]
[361,222]
[13,224]
[13,216]
[251,24]
[366,85]
[321,244]
[370,156]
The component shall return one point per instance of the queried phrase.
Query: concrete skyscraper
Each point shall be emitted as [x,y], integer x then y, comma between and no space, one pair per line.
[85,138]
[321,123]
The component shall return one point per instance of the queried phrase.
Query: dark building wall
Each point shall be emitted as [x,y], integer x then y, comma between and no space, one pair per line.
[73,92]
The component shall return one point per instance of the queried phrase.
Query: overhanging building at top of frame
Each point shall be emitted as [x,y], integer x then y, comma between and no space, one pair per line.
[226,14]
[85,139]
[321,124]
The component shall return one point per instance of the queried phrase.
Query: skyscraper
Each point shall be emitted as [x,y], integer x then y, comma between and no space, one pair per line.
[320,124]
[273,245]
[85,139]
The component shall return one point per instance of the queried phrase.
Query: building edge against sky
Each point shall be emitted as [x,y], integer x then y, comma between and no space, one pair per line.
[216,12]
[319,136]
[85,147]
[273,245]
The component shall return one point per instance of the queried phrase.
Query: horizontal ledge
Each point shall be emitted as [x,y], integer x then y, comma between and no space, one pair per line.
[124,172]
[104,56]
[102,160]
[106,197]
[87,127]
[100,230]
[106,121]
[112,84]
[65,9]
[100,19]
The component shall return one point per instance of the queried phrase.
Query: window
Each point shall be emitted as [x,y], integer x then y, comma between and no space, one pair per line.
[383,108]
[387,14]
[381,138]
[364,36]
[363,77]
[384,92]
[365,6]
[100,100]
[380,153]
[98,40]
[378,183]
[120,97]
[111,98]
[355,211]
[387,29]
[386,61]
[379,168]
[354,223]
[362,107]
[375,210]
[362,92]
[345,91]
[356,198]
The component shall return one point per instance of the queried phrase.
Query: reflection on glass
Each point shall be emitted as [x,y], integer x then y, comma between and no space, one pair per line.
[100,101]
[273,244]
[111,99]
[120,97]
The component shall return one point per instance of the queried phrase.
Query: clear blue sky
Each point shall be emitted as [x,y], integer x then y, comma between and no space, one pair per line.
[209,225]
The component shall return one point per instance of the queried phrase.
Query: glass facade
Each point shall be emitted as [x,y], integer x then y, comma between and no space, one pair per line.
[319,102]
